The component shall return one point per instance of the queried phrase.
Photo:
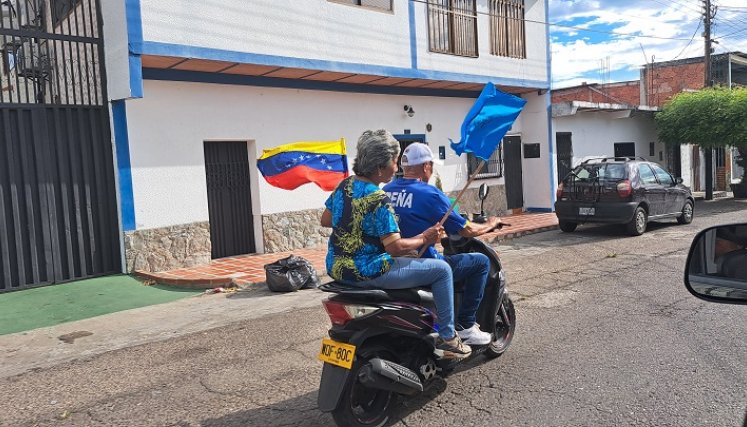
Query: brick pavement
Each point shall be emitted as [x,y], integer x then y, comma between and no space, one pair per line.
[245,270]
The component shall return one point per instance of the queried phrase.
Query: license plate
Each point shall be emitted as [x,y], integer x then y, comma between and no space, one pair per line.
[337,353]
[586,211]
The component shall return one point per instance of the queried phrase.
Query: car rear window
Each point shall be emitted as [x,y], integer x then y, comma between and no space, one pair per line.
[612,171]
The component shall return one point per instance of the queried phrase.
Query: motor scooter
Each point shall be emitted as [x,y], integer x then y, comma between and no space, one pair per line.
[381,343]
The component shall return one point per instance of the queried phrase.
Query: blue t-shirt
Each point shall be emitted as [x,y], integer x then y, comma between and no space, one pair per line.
[361,215]
[419,206]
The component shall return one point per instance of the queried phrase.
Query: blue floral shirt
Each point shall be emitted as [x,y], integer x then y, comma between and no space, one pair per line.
[361,215]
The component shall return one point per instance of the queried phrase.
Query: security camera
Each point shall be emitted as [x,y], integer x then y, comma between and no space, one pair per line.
[407,108]
[409,111]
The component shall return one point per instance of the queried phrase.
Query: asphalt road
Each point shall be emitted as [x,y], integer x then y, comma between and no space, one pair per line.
[607,336]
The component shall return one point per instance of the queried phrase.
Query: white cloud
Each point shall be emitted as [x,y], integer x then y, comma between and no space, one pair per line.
[578,55]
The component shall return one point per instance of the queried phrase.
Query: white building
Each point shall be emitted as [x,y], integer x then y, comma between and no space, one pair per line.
[199,89]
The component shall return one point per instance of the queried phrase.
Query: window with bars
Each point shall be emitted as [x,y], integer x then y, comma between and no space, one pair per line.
[452,27]
[507,32]
[373,4]
[493,167]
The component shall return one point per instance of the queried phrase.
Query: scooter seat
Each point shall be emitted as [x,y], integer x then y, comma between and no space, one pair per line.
[411,295]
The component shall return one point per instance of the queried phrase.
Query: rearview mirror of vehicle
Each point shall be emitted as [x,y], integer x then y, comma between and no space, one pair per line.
[716,268]
[483,192]
[678,181]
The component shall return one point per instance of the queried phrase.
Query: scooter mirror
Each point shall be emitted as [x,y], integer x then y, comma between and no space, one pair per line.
[716,267]
[483,192]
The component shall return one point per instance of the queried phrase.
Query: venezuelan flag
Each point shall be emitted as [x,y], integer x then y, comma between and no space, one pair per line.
[289,166]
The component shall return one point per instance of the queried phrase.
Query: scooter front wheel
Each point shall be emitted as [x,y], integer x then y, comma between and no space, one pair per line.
[505,325]
[363,406]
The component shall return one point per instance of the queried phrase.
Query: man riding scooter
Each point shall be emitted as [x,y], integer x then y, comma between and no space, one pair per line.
[418,206]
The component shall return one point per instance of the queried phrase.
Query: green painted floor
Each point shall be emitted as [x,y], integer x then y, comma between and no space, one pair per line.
[51,305]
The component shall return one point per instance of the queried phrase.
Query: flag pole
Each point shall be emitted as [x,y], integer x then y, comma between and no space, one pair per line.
[456,200]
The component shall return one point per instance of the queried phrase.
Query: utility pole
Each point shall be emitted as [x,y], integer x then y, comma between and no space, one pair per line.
[707,16]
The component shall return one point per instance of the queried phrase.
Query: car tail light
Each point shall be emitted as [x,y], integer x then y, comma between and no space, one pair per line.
[559,193]
[341,313]
[624,189]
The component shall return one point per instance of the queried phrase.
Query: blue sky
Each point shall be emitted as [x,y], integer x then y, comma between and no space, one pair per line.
[583,50]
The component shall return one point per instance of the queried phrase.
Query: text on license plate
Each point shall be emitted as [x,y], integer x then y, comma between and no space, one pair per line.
[337,353]
[586,211]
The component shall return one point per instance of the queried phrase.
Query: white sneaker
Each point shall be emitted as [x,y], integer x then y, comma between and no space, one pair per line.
[474,336]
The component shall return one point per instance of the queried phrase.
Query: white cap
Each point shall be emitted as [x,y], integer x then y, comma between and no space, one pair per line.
[416,154]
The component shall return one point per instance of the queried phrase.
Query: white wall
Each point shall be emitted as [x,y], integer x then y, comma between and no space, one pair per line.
[533,125]
[167,129]
[325,30]
[595,133]
[116,49]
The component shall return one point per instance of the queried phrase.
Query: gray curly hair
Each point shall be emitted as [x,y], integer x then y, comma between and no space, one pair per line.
[375,150]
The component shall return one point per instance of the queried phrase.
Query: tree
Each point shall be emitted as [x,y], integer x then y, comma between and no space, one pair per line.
[710,118]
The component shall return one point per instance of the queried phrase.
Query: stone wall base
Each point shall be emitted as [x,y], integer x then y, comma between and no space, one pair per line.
[495,204]
[168,248]
[287,231]
[188,245]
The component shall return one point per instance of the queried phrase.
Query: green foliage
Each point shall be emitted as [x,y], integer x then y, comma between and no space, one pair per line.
[710,118]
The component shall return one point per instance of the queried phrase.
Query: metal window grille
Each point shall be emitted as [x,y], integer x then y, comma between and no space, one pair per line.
[452,27]
[492,169]
[52,52]
[373,4]
[507,32]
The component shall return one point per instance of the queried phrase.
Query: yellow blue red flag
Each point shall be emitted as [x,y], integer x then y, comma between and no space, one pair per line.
[289,166]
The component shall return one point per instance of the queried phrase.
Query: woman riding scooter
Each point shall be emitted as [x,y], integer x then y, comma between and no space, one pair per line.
[366,249]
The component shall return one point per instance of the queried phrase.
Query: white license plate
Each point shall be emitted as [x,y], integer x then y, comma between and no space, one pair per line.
[586,211]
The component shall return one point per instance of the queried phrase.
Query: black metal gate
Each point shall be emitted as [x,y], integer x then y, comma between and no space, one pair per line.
[229,198]
[514,185]
[58,211]
[565,153]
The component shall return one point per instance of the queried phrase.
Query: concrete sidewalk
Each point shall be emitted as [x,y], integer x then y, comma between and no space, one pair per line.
[248,270]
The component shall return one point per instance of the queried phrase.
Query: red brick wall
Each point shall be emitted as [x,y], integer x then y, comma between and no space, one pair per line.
[665,82]
[626,92]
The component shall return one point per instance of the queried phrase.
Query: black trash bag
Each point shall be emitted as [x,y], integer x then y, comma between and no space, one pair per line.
[291,274]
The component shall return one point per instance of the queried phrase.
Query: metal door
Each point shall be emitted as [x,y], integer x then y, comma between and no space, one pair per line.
[58,211]
[229,198]
[565,154]
[652,190]
[512,166]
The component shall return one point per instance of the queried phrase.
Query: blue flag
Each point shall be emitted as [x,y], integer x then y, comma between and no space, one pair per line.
[487,122]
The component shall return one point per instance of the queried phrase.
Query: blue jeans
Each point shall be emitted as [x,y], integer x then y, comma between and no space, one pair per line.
[473,269]
[415,272]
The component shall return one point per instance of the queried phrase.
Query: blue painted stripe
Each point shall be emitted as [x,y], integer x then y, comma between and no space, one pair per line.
[136,76]
[282,162]
[548,105]
[539,210]
[413,36]
[182,51]
[135,43]
[122,144]
[236,79]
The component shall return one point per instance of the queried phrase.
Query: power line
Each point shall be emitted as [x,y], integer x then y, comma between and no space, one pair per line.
[688,43]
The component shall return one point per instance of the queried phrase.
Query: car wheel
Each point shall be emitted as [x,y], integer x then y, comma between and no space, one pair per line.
[637,225]
[567,226]
[687,213]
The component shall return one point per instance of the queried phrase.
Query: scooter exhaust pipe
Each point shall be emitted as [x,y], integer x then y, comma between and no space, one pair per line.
[385,375]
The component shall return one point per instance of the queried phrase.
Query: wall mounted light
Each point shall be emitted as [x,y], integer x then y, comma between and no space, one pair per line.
[409,111]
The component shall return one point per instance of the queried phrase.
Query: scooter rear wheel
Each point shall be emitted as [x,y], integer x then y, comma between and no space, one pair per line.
[362,406]
[505,325]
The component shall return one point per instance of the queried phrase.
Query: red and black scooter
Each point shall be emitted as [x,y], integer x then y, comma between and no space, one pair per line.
[381,344]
